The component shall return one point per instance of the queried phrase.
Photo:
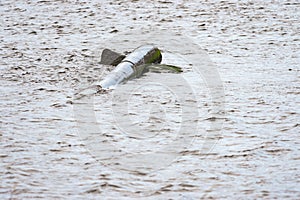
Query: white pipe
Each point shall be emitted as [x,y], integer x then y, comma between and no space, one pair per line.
[131,66]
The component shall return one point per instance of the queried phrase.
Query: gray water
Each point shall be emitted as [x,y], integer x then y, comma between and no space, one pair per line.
[56,146]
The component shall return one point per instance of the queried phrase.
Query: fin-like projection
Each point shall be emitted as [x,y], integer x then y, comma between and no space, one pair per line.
[163,68]
[109,57]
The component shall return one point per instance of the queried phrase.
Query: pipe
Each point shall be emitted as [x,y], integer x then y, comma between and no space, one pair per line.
[132,66]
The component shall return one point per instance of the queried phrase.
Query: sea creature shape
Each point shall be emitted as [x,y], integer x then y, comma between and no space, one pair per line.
[143,59]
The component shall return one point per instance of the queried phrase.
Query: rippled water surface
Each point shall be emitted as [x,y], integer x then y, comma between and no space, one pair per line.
[156,137]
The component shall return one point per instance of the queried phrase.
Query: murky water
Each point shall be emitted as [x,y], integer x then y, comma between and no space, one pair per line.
[51,149]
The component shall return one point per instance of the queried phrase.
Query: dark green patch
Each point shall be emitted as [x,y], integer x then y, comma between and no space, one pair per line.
[161,68]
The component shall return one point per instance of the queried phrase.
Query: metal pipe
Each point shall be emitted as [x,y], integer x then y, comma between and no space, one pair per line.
[132,66]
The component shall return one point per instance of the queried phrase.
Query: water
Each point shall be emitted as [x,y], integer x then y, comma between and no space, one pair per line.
[49,50]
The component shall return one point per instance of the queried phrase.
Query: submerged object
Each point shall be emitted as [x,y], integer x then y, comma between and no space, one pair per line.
[132,66]
[143,59]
